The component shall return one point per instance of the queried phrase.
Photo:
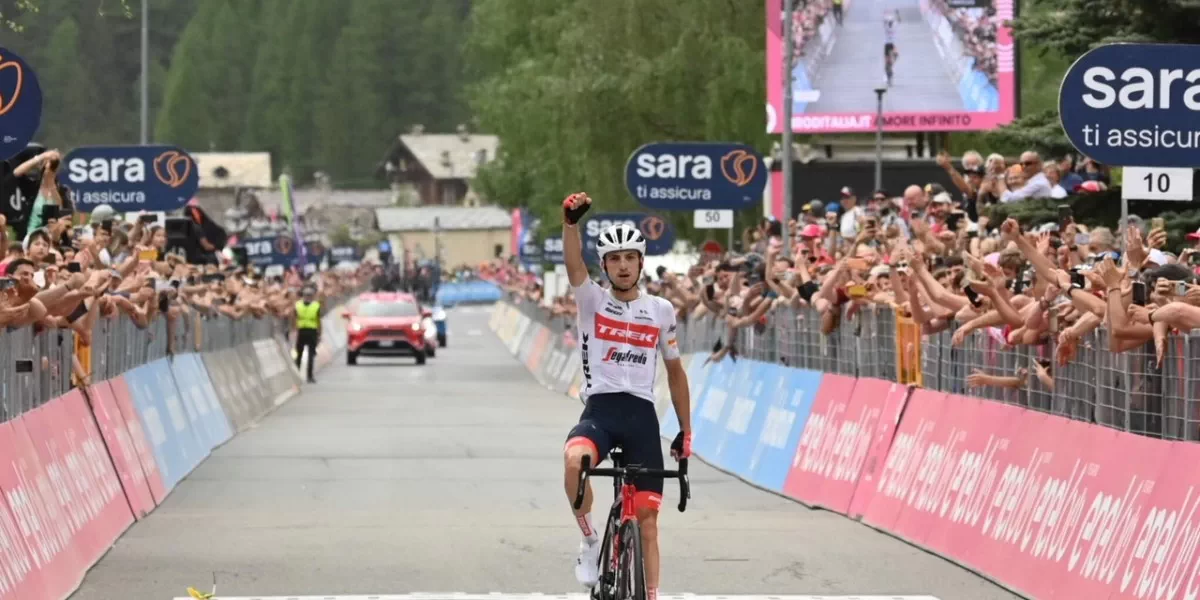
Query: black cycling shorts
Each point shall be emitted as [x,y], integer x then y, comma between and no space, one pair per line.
[624,420]
[888,47]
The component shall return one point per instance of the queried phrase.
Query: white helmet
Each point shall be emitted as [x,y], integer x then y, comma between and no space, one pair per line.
[620,237]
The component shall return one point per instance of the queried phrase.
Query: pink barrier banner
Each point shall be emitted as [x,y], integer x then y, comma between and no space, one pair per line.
[141,444]
[86,492]
[538,346]
[45,529]
[1051,507]
[822,472]
[895,397]
[21,521]
[851,426]
[122,449]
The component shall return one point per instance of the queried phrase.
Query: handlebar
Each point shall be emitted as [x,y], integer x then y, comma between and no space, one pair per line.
[685,488]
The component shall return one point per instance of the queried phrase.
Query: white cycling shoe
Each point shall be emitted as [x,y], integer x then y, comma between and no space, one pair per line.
[587,566]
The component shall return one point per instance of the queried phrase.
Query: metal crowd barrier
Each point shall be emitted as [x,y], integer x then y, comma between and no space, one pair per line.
[1124,391]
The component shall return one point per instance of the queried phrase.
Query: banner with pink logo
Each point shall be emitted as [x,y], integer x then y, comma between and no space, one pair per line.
[951,69]
[1053,508]
[850,427]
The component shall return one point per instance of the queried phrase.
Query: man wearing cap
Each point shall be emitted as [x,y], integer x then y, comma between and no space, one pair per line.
[308,328]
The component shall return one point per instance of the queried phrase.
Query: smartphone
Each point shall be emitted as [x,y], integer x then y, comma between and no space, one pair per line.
[1158,223]
[952,221]
[49,212]
[1077,280]
[150,218]
[148,255]
[1139,293]
[1194,259]
[74,267]
[8,283]
[1065,216]
[1181,288]
[856,291]
[24,365]
[972,295]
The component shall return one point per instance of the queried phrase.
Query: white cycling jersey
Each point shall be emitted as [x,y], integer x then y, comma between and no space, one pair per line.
[619,341]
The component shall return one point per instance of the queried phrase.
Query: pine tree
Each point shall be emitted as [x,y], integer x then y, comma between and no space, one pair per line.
[188,114]
[66,89]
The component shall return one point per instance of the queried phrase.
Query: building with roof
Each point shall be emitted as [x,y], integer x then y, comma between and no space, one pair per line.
[435,168]
[462,235]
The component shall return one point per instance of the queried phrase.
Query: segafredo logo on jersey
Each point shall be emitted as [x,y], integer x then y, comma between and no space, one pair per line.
[150,178]
[610,330]
[683,176]
[621,357]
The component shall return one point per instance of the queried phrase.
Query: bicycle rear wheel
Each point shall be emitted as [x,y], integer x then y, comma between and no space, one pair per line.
[631,573]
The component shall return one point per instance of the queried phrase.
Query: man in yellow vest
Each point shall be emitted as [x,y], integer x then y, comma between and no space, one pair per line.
[308,328]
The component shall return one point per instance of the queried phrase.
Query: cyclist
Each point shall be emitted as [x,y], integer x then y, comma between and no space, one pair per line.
[621,332]
[890,54]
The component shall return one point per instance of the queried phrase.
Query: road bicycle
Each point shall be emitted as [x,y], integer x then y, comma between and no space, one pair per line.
[622,573]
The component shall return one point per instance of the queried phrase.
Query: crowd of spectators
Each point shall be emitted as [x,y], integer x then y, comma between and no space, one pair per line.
[924,257]
[982,183]
[806,21]
[976,29]
[73,271]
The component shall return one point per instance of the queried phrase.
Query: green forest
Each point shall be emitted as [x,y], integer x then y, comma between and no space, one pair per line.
[322,85]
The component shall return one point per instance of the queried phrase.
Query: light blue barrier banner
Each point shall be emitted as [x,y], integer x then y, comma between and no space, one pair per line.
[166,420]
[211,425]
[788,400]
[747,416]
[449,294]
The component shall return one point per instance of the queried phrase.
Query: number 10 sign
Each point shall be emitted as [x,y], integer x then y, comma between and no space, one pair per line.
[1156,183]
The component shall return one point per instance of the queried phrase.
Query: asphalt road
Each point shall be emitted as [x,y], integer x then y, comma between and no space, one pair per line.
[388,478]
[855,66]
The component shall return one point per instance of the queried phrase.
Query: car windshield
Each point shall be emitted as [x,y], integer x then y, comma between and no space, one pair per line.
[388,309]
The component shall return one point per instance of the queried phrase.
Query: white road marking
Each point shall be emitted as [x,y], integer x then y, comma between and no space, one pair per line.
[537,596]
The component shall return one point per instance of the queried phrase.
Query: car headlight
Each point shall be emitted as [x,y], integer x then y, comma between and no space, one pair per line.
[416,326]
[356,327]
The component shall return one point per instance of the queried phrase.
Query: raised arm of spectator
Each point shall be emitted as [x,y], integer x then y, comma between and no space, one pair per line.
[943,161]
[1045,268]
[936,291]
[1000,303]
[990,318]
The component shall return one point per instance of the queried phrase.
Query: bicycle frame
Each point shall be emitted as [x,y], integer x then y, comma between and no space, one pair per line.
[623,494]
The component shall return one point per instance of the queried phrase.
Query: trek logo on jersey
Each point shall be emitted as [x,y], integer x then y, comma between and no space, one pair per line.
[642,336]
[620,357]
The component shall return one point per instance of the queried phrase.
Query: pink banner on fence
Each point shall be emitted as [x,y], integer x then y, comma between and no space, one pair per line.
[921,417]
[824,469]
[86,489]
[44,526]
[121,448]
[21,575]
[1051,507]
[141,444]
[895,397]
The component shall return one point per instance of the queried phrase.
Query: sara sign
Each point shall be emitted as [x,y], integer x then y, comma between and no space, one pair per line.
[20,103]
[694,175]
[280,250]
[1134,104]
[552,250]
[660,237]
[131,178]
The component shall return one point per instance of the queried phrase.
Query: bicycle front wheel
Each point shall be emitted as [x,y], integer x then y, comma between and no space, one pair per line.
[631,573]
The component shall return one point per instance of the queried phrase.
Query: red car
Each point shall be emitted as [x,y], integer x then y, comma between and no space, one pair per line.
[385,324]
